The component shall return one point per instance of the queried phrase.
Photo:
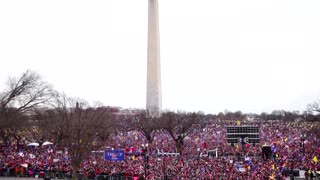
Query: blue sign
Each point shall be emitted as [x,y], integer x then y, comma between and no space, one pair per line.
[114,155]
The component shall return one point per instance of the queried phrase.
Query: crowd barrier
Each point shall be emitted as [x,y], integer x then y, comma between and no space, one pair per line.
[294,175]
[62,175]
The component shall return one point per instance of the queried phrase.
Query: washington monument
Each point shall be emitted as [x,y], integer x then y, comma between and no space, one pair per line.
[154,94]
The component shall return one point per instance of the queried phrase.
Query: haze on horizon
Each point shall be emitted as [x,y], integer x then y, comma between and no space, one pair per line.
[253,56]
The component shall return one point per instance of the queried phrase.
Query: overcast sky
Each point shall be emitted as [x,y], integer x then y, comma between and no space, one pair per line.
[248,55]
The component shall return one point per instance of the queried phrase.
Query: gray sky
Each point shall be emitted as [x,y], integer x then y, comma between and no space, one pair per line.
[247,55]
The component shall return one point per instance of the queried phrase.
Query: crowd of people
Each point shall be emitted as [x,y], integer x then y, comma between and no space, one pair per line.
[289,152]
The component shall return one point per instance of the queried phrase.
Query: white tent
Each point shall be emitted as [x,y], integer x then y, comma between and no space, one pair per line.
[33,144]
[24,165]
[47,143]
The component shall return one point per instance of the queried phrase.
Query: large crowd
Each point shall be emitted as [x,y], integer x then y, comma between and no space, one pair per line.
[289,152]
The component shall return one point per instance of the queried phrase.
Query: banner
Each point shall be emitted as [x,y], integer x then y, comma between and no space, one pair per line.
[114,155]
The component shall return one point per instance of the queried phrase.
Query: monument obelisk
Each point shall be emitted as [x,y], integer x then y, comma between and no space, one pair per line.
[154,94]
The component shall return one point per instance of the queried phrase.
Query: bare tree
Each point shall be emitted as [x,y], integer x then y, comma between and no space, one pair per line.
[179,125]
[108,126]
[77,125]
[147,125]
[314,107]
[21,96]
[45,126]
[15,131]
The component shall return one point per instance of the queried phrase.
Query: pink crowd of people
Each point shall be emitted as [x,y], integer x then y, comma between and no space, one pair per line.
[289,152]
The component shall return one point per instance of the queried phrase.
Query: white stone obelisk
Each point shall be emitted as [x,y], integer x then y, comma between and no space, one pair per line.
[154,94]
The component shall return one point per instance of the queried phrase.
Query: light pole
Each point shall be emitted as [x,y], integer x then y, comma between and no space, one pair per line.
[146,158]
[164,168]
[303,138]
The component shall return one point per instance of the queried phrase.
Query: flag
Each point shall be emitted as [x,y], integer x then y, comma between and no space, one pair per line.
[196,139]
[251,167]
[284,164]
[272,175]
[315,159]
[238,122]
